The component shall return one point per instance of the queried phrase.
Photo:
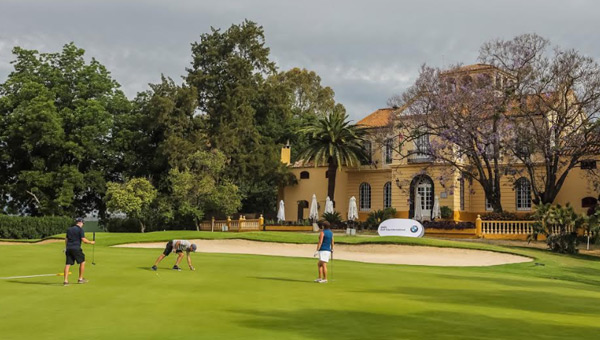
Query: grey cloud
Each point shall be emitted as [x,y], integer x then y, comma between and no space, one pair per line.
[365,50]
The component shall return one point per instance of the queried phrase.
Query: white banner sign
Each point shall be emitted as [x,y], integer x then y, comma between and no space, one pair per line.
[401,227]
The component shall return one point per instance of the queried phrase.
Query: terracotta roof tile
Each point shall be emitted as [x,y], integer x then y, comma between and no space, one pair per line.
[379,118]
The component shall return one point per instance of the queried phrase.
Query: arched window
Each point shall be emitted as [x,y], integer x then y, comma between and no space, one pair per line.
[588,202]
[365,196]
[523,191]
[304,175]
[387,195]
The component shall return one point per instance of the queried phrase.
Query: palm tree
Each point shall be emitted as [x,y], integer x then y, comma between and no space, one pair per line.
[332,140]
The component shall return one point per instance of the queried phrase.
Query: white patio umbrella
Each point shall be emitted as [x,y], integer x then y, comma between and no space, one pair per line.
[418,209]
[436,212]
[328,206]
[314,209]
[352,209]
[281,212]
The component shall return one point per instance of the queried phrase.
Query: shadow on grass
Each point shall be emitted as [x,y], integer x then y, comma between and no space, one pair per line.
[36,283]
[331,324]
[280,279]
[540,280]
[510,299]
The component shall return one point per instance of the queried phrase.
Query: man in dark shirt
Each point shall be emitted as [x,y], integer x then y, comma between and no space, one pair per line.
[75,236]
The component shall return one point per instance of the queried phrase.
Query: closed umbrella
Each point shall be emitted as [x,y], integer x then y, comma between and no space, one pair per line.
[281,212]
[437,212]
[328,206]
[418,208]
[352,215]
[352,209]
[314,209]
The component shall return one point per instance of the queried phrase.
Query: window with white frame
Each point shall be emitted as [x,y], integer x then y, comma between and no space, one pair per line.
[523,191]
[388,150]
[422,145]
[365,196]
[387,195]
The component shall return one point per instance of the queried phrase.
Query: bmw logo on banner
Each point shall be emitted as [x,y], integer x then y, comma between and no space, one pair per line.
[401,227]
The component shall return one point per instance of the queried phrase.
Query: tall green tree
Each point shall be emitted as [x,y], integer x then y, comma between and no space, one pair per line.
[335,142]
[243,113]
[197,188]
[165,141]
[56,120]
[133,198]
[307,101]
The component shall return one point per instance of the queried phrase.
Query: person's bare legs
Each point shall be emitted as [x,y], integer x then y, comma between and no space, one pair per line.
[81,270]
[179,258]
[162,256]
[324,271]
[320,267]
[67,267]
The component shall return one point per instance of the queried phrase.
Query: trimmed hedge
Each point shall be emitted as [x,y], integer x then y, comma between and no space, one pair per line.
[17,227]
[448,225]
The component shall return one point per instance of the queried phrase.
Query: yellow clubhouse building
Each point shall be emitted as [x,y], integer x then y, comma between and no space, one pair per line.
[390,180]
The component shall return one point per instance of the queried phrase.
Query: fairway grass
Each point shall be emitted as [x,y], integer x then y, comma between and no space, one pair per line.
[268,297]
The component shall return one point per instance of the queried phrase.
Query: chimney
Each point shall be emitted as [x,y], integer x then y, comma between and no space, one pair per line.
[286,154]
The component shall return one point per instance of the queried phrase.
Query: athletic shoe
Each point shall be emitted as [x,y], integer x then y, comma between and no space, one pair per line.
[176,268]
[323,281]
[318,280]
[154,268]
[65,283]
[82,281]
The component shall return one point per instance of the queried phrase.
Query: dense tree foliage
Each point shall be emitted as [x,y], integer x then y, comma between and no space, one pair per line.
[56,119]
[247,117]
[208,146]
[308,101]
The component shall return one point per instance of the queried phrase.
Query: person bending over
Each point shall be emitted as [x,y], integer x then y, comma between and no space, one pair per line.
[73,251]
[324,250]
[179,246]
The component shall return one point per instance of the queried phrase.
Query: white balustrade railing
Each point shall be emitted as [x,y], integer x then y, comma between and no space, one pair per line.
[513,227]
[241,224]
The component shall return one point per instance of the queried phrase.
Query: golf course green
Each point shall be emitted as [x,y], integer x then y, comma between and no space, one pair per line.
[268,297]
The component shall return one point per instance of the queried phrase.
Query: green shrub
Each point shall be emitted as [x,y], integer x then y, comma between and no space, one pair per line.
[16,227]
[376,217]
[446,212]
[507,216]
[448,225]
[563,243]
[559,224]
[334,219]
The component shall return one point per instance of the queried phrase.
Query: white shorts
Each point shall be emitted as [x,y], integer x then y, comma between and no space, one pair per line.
[324,255]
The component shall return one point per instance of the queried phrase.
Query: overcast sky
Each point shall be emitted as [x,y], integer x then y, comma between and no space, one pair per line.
[366,51]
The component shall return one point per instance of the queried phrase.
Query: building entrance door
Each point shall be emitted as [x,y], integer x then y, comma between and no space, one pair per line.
[425,190]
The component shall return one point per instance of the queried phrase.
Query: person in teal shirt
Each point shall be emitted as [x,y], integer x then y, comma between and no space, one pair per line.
[324,251]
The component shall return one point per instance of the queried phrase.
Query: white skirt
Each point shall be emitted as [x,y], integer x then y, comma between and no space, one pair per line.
[324,255]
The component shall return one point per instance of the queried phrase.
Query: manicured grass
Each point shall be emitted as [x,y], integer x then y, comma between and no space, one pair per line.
[261,297]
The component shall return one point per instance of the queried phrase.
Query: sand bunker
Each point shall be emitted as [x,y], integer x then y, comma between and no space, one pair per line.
[372,253]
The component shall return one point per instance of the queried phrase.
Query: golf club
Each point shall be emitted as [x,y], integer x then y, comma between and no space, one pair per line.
[94,249]
[28,276]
